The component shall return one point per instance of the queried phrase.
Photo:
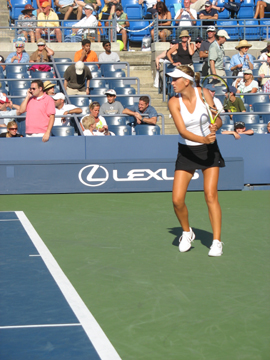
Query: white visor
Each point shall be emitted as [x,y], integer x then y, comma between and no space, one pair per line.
[176,73]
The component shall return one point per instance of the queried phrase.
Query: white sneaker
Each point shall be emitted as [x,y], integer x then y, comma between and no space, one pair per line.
[186,240]
[216,248]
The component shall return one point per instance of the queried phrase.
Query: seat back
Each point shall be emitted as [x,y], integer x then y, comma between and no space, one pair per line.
[120,130]
[63,131]
[147,130]
[249,118]
[257,128]
[20,68]
[115,120]
[97,83]
[79,101]
[256,100]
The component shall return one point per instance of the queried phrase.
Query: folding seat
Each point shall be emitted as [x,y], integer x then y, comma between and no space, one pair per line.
[115,120]
[249,118]
[97,83]
[114,73]
[79,101]
[147,130]
[253,99]
[198,66]
[18,85]
[62,68]
[18,76]
[18,68]
[250,32]
[138,25]
[17,100]
[264,33]
[43,75]
[101,99]
[18,92]
[120,130]
[257,128]
[96,74]
[134,11]
[62,60]
[225,118]
[125,90]
[17,7]
[92,67]
[63,131]
[229,26]
[98,91]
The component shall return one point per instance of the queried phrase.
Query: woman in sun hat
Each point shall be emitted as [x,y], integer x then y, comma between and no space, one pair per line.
[27,27]
[242,60]
[185,50]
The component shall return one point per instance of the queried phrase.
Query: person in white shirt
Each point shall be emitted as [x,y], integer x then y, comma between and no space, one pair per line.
[63,109]
[150,6]
[187,17]
[67,7]
[108,55]
[90,125]
[264,70]
[247,84]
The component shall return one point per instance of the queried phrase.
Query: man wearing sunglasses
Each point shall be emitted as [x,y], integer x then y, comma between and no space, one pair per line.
[40,111]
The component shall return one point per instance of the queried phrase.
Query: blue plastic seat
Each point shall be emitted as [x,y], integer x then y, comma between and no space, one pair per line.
[264,33]
[120,130]
[225,14]
[62,68]
[96,74]
[198,66]
[67,27]
[249,118]
[115,120]
[257,98]
[18,68]
[97,83]
[227,127]
[92,67]
[17,7]
[138,25]
[79,101]
[18,100]
[18,76]
[63,131]
[41,75]
[98,91]
[245,12]
[19,84]
[225,118]
[101,99]
[263,107]
[250,32]
[147,130]
[116,83]
[114,73]
[63,60]
[257,128]
[125,90]
[133,11]
[232,32]
[18,92]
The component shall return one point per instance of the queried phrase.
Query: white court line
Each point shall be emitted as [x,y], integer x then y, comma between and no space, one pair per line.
[38,326]
[96,335]
[35,255]
[9,220]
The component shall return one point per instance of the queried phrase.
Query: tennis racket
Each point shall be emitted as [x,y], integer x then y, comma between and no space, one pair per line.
[221,87]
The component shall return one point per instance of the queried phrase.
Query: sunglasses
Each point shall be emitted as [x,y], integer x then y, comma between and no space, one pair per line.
[13,129]
[33,88]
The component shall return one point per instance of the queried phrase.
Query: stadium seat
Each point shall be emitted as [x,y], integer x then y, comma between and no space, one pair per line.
[251,31]
[198,66]
[256,98]
[113,83]
[15,69]
[246,12]
[19,84]
[98,91]
[120,130]
[18,76]
[111,67]
[262,107]
[85,110]
[62,68]
[220,97]
[17,100]
[128,2]
[115,120]
[225,14]
[134,11]
[17,7]
[225,118]
[63,131]
[249,118]
[62,60]
[92,67]
[264,33]
[114,73]
[67,27]
[139,35]
[79,101]
[257,128]
[125,90]
[147,130]
[229,26]
[97,83]
[18,92]
[101,99]
[226,127]
[96,74]
[41,75]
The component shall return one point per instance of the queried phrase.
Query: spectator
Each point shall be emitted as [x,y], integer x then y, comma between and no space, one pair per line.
[162,58]
[216,54]
[27,27]
[261,8]
[40,3]
[108,9]
[90,125]
[12,128]
[142,112]
[264,70]
[18,56]
[2,61]
[208,14]
[63,109]
[40,112]
[52,21]
[235,104]
[111,107]
[49,87]
[268,127]
[187,17]
[163,14]
[150,7]
[101,124]
[239,129]
[196,55]
[75,76]
[86,54]
[122,24]
[108,55]
[95,3]
[67,7]
[204,50]
[266,50]
[233,7]
[43,52]
[85,27]
[266,87]
[217,102]
[185,51]
[247,84]
[242,60]
[4,104]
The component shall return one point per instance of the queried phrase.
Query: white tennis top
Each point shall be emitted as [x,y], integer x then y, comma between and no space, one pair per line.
[197,122]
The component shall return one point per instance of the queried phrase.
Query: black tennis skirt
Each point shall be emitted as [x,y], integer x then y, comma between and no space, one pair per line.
[198,157]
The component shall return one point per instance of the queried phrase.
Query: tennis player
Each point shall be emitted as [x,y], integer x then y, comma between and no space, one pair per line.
[198,149]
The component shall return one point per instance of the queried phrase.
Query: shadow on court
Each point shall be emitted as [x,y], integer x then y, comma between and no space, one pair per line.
[205,237]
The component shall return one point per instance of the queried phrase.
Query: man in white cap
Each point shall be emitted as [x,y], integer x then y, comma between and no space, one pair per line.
[63,109]
[241,61]
[75,76]
[4,104]
[43,52]
[211,37]
[217,53]
[86,26]
[111,107]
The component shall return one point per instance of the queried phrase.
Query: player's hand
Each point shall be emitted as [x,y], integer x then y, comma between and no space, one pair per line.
[210,139]
[213,128]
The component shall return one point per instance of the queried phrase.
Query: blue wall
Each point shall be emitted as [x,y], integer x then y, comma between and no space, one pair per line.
[130,163]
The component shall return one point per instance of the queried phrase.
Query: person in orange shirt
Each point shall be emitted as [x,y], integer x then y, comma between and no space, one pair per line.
[85,54]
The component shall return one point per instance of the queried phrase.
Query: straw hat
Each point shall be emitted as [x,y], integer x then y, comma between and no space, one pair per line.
[48,85]
[243,43]
[184,33]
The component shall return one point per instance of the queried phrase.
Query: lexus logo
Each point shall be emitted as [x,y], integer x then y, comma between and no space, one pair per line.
[93,175]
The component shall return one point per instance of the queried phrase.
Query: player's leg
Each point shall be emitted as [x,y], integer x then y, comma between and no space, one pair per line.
[180,185]
[211,197]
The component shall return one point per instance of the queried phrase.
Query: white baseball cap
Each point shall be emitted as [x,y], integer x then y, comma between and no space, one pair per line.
[223,33]
[110,92]
[79,67]
[59,96]
[89,7]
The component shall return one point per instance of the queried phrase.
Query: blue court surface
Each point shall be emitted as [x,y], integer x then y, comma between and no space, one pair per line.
[41,314]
